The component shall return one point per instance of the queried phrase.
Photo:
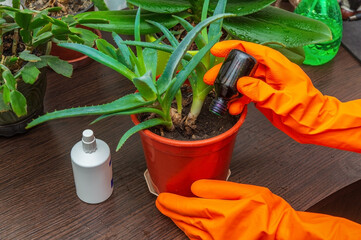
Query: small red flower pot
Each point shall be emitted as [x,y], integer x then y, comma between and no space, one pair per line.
[173,165]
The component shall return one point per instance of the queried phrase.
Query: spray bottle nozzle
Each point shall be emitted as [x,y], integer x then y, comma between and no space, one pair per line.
[236,65]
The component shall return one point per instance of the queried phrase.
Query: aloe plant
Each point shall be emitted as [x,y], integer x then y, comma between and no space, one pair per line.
[153,96]
[255,21]
[33,30]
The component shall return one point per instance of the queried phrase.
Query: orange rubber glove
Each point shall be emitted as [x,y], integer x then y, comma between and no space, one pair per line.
[226,210]
[286,96]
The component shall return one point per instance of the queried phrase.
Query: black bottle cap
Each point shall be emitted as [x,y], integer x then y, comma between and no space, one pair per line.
[237,64]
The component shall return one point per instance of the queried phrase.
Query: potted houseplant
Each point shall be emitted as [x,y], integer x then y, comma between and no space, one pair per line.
[207,158]
[25,35]
[66,8]
[254,21]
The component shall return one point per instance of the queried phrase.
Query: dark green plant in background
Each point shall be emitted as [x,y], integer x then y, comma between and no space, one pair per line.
[31,31]
[153,96]
[255,21]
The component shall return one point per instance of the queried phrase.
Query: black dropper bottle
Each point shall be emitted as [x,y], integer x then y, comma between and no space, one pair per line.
[236,65]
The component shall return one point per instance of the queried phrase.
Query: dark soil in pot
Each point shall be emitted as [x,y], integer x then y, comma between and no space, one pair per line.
[67,6]
[207,125]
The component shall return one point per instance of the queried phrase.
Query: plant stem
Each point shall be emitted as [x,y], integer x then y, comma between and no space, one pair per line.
[15,42]
[197,105]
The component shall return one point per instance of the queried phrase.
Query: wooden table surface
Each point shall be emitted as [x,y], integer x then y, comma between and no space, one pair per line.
[37,192]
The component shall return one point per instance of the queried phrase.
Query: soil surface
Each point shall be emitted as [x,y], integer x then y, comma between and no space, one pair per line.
[207,125]
[67,6]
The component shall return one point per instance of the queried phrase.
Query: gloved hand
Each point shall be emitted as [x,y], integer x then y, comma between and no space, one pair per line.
[286,96]
[226,210]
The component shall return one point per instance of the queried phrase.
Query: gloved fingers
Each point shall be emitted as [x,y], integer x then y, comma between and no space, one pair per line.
[259,91]
[179,207]
[236,106]
[273,67]
[217,189]
[192,231]
[211,74]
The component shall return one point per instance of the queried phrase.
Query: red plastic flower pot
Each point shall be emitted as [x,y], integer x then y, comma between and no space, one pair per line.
[174,165]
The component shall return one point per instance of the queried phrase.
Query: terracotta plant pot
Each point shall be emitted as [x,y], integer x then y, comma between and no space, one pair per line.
[174,165]
[77,59]
[10,124]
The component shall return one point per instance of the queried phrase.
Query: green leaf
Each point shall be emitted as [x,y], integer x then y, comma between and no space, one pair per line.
[27,56]
[173,41]
[3,106]
[9,79]
[18,103]
[106,48]
[200,41]
[180,51]
[141,66]
[59,66]
[59,30]
[127,102]
[23,19]
[145,86]
[185,72]
[76,39]
[274,25]
[44,29]
[100,57]
[150,61]
[16,3]
[130,112]
[6,95]
[161,47]
[42,38]
[124,57]
[37,23]
[25,36]
[29,74]
[296,55]
[122,22]
[100,4]
[141,126]
[162,6]
[242,7]
[88,36]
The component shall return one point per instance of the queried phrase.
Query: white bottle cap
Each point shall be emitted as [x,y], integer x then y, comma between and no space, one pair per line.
[89,142]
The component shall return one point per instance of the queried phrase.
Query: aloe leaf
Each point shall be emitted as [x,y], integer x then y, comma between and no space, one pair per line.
[145,86]
[106,48]
[185,72]
[180,51]
[124,57]
[173,41]
[162,6]
[100,57]
[141,126]
[141,68]
[161,47]
[130,112]
[127,102]
[200,41]
[242,7]
[216,27]
[279,26]
[150,61]
[204,16]
[122,22]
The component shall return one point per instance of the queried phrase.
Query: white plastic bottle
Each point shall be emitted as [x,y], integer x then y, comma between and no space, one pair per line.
[92,169]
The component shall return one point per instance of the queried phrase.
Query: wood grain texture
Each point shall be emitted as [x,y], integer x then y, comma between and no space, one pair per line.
[37,192]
